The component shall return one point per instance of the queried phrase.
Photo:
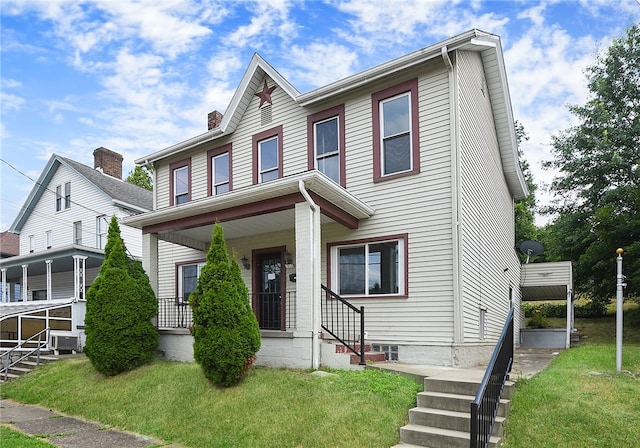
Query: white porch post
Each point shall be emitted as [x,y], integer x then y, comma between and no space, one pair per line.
[308,275]
[48,278]
[23,287]
[78,276]
[150,259]
[5,290]
[569,318]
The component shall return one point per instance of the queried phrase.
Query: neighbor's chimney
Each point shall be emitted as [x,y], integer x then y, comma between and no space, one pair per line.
[108,161]
[214,119]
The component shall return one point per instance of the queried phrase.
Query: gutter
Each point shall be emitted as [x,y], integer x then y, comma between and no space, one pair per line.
[315,281]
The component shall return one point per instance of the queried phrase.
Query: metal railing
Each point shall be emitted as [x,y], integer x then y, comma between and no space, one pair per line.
[174,313]
[22,352]
[484,408]
[343,321]
[272,313]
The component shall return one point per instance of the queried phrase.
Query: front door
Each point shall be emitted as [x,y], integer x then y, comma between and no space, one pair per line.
[269,282]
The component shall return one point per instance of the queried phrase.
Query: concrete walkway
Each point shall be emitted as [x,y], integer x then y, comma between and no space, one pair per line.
[70,432]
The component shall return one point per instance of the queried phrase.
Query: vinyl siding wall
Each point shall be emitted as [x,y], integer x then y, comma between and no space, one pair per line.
[419,205]
[88,202]
[488,259]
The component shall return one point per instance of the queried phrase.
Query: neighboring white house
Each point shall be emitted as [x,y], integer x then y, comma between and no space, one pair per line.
[63,230]
[393,188]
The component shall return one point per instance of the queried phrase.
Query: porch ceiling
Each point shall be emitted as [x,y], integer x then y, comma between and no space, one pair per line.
[546,281]
[62,261]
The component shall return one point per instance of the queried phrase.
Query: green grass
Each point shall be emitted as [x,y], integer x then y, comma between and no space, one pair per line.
[174,402]
[15,439]
[580,400]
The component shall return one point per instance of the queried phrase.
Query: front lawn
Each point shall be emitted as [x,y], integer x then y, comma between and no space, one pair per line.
[174,402]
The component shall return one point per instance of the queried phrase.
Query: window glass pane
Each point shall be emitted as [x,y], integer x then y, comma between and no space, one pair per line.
[395,115]
[327,136]
[383,268]
[221,169]
[222,188]
[59,198]
[397,154]
[181,181]
[330,166]
[189,280]
[352,270]
[268,154]
[67,195]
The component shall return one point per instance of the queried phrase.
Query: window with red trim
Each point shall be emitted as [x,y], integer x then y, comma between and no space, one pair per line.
[396,144]
[219,169]
[267,155]
[180,182]
[326,143]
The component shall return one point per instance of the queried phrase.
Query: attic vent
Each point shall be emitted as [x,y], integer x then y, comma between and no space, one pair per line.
[265,115]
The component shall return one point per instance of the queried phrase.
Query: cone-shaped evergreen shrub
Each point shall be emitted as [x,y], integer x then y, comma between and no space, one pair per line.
[225,330]
[120,306]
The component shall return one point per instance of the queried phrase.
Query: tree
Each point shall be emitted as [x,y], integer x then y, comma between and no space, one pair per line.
[525,208]
[141,177]
[225,331]
[120,306]
[597,194]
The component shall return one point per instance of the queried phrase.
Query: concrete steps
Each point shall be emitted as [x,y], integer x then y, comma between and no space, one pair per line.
[442,417]
[27,365]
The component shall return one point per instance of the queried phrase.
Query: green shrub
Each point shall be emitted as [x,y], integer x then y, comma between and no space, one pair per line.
[225,331]
[538,321]
[120,306]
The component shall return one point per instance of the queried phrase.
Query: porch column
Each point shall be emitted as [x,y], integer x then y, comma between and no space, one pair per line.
[23,287]
[78,277]
[569,317]
[308,274]
[5,290]
[48,278]
[150,259]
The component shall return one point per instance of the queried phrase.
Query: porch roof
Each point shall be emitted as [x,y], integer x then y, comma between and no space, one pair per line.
[62,261]
[259,208]
[546,281]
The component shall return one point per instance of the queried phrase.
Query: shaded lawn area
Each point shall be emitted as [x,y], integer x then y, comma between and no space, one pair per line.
[174,402]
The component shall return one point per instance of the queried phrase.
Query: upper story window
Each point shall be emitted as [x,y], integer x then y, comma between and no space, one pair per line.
[32,243]
[77,233]
[326,142]
[370,268]
[180,182]
[66,203]
[219,169]
[102,228]
[48,237]
[396,144]
[267,155]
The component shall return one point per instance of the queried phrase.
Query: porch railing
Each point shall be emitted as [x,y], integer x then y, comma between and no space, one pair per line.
[174,313]
[484,408]
[343,321]
[22,351]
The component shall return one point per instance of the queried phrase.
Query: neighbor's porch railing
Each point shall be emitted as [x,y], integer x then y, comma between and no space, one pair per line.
[22,351]
[343,321]
[484,407]
[174,313]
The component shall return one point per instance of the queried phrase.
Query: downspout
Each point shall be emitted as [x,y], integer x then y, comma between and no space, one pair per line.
[456,212]
[315,287]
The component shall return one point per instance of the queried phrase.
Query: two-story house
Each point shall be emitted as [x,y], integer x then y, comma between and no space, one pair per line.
[392,188]
[62,228]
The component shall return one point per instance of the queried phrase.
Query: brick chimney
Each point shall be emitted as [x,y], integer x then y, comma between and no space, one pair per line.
[214,119]
[108,161]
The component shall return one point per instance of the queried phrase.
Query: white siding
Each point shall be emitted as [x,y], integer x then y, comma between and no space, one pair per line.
[489,262]
[62,281]
[87,203]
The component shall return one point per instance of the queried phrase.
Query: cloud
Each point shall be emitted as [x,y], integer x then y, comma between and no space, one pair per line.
[268,19]
[10,101]
[313,61]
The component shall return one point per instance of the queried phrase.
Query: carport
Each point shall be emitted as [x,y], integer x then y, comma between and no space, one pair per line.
[550,281]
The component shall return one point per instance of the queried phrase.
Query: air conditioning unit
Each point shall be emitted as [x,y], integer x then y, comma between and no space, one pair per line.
[60,342]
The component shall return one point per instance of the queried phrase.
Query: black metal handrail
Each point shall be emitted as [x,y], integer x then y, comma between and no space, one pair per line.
[20,348]
[343,321]
[484,408]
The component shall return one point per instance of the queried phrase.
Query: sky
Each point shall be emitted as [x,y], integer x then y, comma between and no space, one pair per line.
[139,76]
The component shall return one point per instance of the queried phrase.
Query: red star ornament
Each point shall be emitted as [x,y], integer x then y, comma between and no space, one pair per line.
[265,95]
